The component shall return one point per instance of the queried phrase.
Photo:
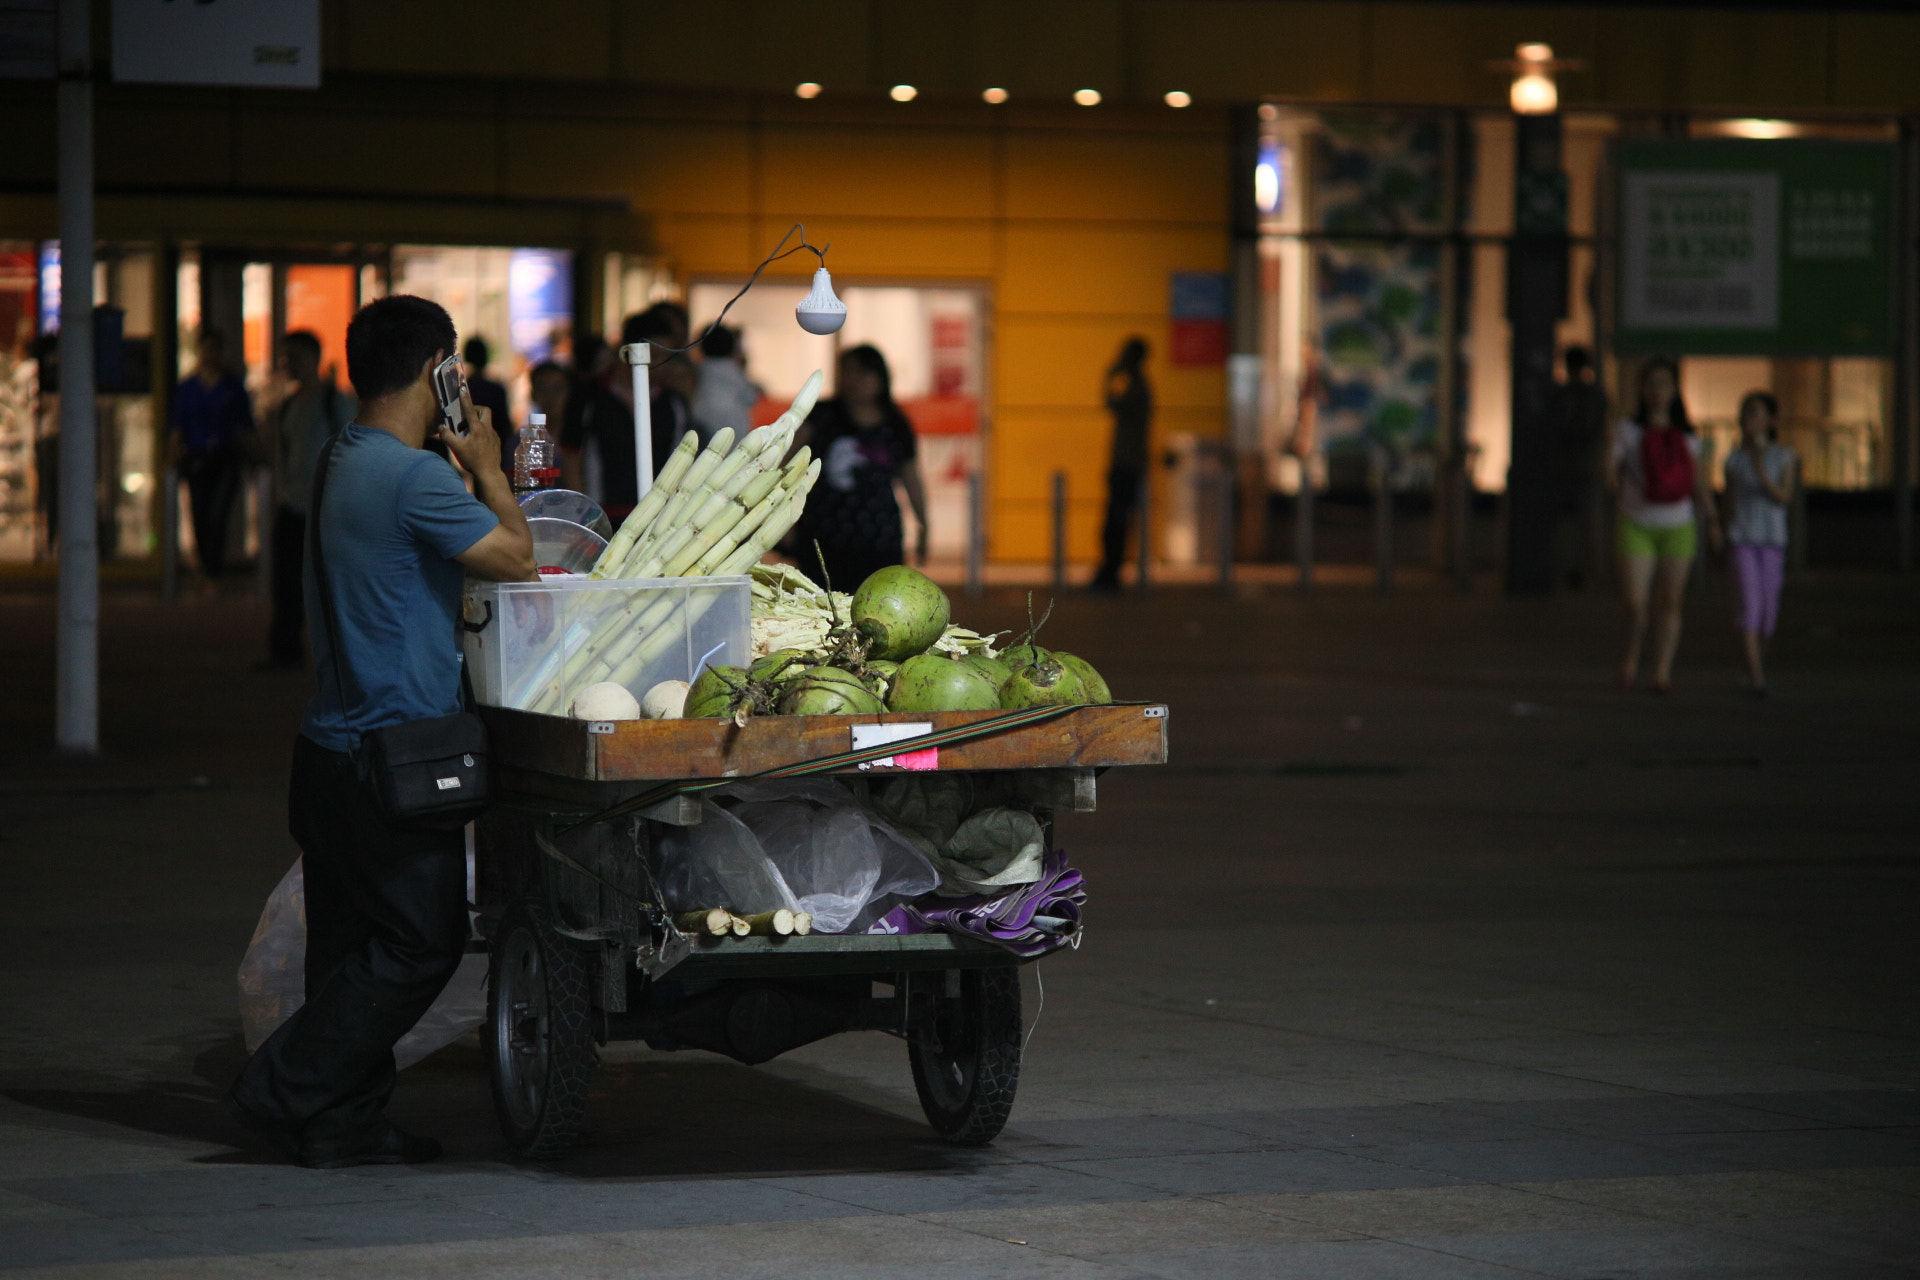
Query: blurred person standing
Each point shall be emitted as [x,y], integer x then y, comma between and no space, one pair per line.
[386,900]
[1760,479]
[597,439]
[296,429]
[491,396]
[1129,399]
[865,444]
[1578,412]
[724,396]
[208,435]
[1663,493]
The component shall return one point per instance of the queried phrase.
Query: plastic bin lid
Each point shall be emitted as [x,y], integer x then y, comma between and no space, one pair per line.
[566,504]
[564,545]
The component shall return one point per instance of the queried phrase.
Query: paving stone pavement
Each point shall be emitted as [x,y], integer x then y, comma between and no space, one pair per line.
[1431,955]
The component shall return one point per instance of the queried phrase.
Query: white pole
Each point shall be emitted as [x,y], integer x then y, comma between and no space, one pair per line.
[640,356]
[77,714]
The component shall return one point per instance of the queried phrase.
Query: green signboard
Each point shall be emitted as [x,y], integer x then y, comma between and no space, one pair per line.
[1755,248]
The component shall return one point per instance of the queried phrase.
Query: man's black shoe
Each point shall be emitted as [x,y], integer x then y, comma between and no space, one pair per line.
[393,1145]
[284,1137]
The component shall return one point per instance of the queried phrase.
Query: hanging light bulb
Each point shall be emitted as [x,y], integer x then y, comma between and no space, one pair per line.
[820,312]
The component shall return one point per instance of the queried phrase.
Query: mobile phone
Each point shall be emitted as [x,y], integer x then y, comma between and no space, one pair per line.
[448,384]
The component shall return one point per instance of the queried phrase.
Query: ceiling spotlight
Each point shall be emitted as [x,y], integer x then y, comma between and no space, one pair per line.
[1087,97]
[903,93]
[806,89]
[1179,98]
[995,96]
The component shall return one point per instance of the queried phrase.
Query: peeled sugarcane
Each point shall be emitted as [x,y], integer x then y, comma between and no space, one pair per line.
[715,922]
[739,926]
[802,923]
[638,520]
[777,923]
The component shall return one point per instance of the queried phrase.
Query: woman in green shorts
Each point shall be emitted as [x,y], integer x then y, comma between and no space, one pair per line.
[1664,496]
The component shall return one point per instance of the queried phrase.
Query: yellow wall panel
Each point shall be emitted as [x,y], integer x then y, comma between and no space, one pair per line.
[898,171]
[1128,176]
[1223,50]
[709,244]
[894,248]
[1103,269]
[676,167]
[1771,59]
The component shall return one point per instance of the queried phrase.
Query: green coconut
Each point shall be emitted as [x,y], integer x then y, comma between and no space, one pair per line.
[1023,655]
[1047,683]
[900,611]
[828,691]
[995,668]
[934,682]
[880,675]
[1090,680]
[781,664]
[713,692]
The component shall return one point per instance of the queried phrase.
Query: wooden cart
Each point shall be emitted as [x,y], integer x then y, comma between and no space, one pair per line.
[582,953]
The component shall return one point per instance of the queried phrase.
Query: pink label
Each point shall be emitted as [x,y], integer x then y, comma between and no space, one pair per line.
[923,761]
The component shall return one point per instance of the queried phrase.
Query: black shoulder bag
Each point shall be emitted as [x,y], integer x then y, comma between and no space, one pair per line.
[425,773]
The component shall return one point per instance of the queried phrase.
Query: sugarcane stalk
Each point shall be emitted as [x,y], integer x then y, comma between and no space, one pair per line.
[714,921]
[739,926]
[803,923]
[641,517]
[775,923]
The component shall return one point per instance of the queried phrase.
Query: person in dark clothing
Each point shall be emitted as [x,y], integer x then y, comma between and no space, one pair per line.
[491,396]
[386,902]
[865,444]
[1130,401]
[1579,417]
[296,430]
[209,428]
[596,442]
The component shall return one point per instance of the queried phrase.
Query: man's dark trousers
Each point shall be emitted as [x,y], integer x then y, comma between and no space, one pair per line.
[213,485]
[284,645]
[1123,497]
[386,927]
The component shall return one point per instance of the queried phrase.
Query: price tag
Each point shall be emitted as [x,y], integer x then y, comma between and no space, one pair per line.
[878,735]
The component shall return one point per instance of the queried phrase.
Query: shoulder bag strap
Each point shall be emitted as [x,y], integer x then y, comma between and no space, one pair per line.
[316,548]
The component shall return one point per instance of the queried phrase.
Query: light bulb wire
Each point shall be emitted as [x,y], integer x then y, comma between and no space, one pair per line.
[779,251]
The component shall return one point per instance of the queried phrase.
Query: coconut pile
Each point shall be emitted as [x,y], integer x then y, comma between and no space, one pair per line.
[890,646]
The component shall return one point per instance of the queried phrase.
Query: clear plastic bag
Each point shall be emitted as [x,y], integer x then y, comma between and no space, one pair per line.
[846,864]
[273,980]
[718,862]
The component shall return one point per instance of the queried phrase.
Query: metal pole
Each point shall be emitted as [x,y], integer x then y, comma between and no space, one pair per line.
[976,532]
[170,535]
[77,714]
[1146,527]
[639,355]
[1228,492]
[1906,365]
[1382,521]
[1463,522]
[1059,532]
[1303,524]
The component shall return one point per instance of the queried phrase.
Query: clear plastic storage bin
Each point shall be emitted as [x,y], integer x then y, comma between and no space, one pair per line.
[534,645]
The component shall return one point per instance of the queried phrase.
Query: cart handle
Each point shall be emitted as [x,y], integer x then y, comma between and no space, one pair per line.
[826,764]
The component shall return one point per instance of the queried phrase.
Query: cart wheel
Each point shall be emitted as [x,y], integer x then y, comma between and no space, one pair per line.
[540,1047]
[966,1064]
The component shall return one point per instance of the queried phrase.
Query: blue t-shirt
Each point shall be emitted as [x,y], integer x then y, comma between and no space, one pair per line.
[395,519]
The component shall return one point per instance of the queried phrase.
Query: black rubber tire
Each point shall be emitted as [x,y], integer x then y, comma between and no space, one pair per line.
[966,1067]
[541,1053]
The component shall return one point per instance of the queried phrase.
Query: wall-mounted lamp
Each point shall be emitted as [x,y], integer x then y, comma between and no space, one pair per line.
[994,96]
[1533,91]
[1179,98]
[903,93]
[806,89]
[1087,97]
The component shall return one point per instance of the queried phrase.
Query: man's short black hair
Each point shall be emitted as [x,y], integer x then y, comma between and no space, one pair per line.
[661,320]
[476,353]
[548,369]
[305,339]
[389,341]
[721,343]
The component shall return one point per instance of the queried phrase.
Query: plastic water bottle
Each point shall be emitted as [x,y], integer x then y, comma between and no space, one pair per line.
[534,463]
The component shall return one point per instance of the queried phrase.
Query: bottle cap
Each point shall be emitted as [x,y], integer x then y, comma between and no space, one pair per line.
[537,419]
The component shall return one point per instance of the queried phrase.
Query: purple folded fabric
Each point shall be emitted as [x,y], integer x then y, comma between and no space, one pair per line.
[1028,920]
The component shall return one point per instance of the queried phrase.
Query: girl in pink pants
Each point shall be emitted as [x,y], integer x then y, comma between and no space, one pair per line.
[1760,476]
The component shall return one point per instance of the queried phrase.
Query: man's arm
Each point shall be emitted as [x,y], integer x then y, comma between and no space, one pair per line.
[505,554]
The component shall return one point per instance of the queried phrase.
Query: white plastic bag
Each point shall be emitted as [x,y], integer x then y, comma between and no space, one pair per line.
[846,864]
[273,980]
[717,862]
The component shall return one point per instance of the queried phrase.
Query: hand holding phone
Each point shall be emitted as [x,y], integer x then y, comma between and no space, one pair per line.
[450,389]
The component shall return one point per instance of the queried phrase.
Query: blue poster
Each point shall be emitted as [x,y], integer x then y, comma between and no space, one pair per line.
[539,300]
[49,286]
